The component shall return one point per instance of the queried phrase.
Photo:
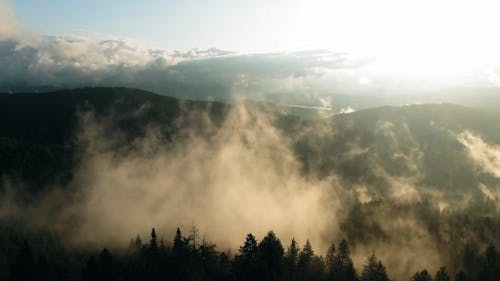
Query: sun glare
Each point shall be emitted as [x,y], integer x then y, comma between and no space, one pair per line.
[415,37]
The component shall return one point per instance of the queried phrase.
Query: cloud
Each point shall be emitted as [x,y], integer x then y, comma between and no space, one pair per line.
[487,156]
[34,62]
[75,61]
[346,110]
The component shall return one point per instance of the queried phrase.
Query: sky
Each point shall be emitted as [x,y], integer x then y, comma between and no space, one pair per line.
[385,45]
[378,27]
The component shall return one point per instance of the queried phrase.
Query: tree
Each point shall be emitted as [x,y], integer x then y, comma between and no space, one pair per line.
[291,260]
[246,263]
[346,271]
[271,254]
[91,270]
[343,254]
[490,267]
[442,275]
[23,267]
[249,248]
[332,262]
[306,254]
[180,245]
[180,257]
[153,243]
[373,270]
[105,266]
[460,276]
[421,276]
[305,260]
[193,236]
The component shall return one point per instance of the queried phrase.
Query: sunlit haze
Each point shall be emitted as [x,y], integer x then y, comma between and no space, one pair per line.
[414,37]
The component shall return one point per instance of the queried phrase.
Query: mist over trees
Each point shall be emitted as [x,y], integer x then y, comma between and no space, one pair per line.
[410,188]
[189,258]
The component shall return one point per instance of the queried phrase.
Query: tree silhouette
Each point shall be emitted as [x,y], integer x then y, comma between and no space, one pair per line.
[442,275]
[247,261]
[373,270]
[490,266]
[105,266]
[271,254]
[332,262]
[291,260]
[23,267]
[460,276]
[305,260]
[421,276]
[153,243]
[346,271]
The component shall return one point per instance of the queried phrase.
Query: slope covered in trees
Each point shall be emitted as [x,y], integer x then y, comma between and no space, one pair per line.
[416,184]
[188,258]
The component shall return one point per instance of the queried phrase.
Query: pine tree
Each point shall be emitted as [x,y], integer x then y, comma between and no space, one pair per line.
[246,263]
[373,270]
[23,267]
[332,262]
[346,271]
[460,276]
[442,275]
[305,261]
[291,260]
[179,245]
[271,253]
[249,248]
[490,266]
[138,242]
[421,276]
[153,243]
[105,265]
[306,254]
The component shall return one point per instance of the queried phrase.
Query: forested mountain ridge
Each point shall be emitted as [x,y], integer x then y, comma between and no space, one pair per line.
[424,138]
[39,130]
[407,182]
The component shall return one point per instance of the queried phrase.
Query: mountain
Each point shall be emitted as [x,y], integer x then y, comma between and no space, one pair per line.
[38,131]
[420,144]
[424,146]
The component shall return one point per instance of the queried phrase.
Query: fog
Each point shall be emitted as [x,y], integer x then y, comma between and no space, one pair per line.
[227,179]
[241,178]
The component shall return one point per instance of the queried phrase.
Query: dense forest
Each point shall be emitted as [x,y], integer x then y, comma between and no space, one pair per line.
[411,188]
[189,257]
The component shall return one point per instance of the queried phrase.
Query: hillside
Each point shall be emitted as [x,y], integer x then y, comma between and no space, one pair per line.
[38,132]
[422,180]
[374,147]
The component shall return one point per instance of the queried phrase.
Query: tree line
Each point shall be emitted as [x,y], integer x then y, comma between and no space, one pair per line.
[187,258]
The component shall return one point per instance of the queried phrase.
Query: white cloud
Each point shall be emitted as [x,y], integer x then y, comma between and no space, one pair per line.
[486,155]
[346,110]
